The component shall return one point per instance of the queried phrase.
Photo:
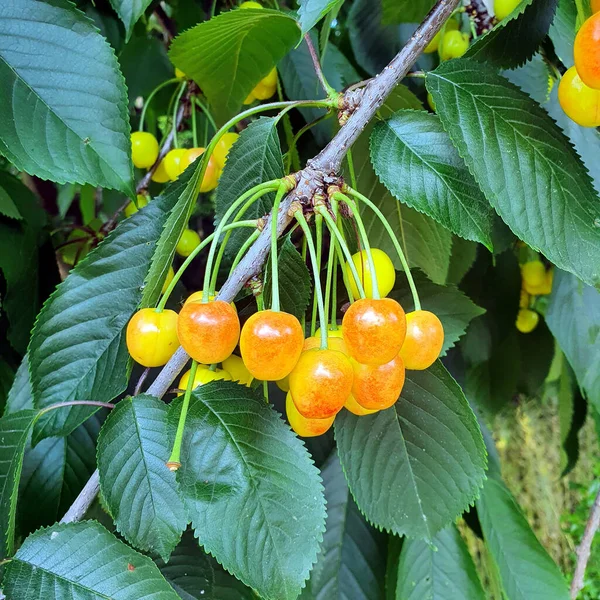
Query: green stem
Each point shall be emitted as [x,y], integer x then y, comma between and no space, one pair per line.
[328,280]
[388,228]
[151,96]
[242,251]
[174,460]
[274,258]
[582,13]
[315,266]
[165,297]
[340,257]
[365,241]
[206,112]
[350,161]
[333,319]
[348,257]
[319,232]
[175,109]
[194,126]
[269,185]
[303,253]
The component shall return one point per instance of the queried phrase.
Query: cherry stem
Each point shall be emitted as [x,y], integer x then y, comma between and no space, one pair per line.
[163,301]
[243,249]
[342,244]
[350,161]
[274,258]
[333,321]
[175,109]
[319,232]
[268,186]
[328,281]
[74,403]
[365,241]
[388,228]
[206,112]
[303,254]
[174,460]
[194,125]
[153,93]
[315,266]
[340,256]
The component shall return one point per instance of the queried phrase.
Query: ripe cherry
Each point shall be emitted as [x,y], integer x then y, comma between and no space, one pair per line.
[321,383]
[301,425]
[451,25]
[188,242]
[172,162]
[374,330]
[543,289]
[144,149]
[527,320]
[152,336]
[595,6]
[384,270]
[203,375]
[197,297]
[454,45]
[579,102]
[209,331]
[131,208]
[587,52]
[533,272]
[270,343]
[378,386]
[250,4]
[424,340]
[223,147]
[503,8]
[334,342]
[212,173]
[168,279]
[160,174]
[354,407]
[235,366]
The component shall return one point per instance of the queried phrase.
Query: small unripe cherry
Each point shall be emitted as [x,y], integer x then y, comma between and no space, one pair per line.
[208,332]
[223,147]
[235,366]
[503,8]
[152,336]
[533,272]
[374,330]
[131,208]
[424,340]
[144,149]
[384,271]
[378,386]
[527,320]
[301,425]
[172,162]
[321,383]
[188,242]
[270,343]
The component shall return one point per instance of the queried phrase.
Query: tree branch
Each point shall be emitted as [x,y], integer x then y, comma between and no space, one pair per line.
[585,548]
[319,172]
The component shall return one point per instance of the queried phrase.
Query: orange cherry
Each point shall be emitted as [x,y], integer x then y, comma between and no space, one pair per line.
[301,425]
[354,407]
[320,383]
[595,6]
[378,386]
[271,343]
[587,52]
[209,331]
[424,340]
[374,330]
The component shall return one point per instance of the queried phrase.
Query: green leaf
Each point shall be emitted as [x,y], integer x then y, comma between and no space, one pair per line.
[82,560]
[312,11]
[14,432]
[563,29]
[7,206]
[129,12]
[524,164]
[77,350]
[250,488]
[454,309]
[414,467]
[573,317]
[140,491]
[64,118]
[295,284]
[414,158]
[228,55]
[442,570]
[515,39]
[195,575]
[351,562]
[462,258]
[20,395]
[254,158]
[405,11]
[526,570]
[533,78]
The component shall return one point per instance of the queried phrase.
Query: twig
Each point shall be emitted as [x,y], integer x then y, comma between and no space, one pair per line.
[318,172]
[585,548]
[317,65]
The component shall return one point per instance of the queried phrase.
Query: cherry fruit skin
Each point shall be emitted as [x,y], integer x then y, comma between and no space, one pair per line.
[168,279]
[587,52]
[301,425]
[271,343]
[384,271]
[223,147]
[527,320]
[424,340]
[454,45]
[374,330]
[172,162]
[208,331]
[144,149]
[355,408]
[152,337]
[321,383]
[188,241]
[212,173]
[377,387]
[197,297]
[580,102]
[533,272]
[203,375]
[503,8]
[334,342]
[235,366]
[250,4]
[131,208]
[160,174]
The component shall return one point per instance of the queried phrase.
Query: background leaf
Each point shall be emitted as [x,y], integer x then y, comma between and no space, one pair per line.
[250,488]
[526,570]
[414,158]
[66,123]
[440,570]
[129,12]
[82,560]
[416,466]
[312,11]
[562,31]
[515,39]
[526,167]
[351,562]
[138,488]
[228,55]
[405,11]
